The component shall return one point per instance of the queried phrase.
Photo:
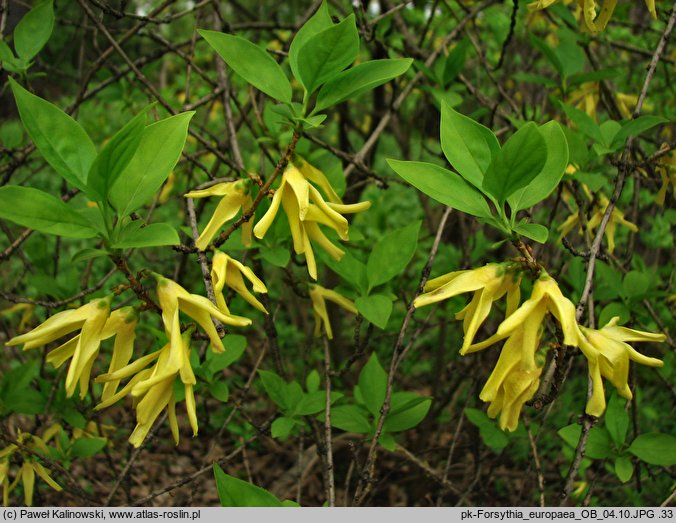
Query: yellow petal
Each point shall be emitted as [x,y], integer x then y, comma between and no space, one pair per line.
[226,210]
[28,480]
[44,475]
[266,221]
[315,234]
[317,177]
[301,189]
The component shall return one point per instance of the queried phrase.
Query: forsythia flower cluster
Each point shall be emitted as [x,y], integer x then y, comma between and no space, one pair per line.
[516,376]
[592,21]
[151,377]
[306,208]
[598,210]
[28,447]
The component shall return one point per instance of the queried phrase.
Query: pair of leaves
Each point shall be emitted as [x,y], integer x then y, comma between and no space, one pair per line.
[318,56]
[293,402]
[407,409]
[522,172]
[30,36]
[127,172]
[611,135]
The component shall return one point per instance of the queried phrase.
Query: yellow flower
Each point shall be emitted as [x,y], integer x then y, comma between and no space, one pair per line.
[526,321]
[153,388]
[30,466]
[83,348]
[589,21]
[608,356]
[174,298]
[319,295]
[228,271]
[512,383]
[121,324]
[600,206]
[489,283]
[306,209]
[235,195]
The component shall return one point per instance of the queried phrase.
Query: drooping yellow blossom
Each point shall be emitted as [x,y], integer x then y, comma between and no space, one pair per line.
[666,168]
[26,310]
[608,356]
[82,349]
[174,298]
[600,205]
[585,98]
[28,445]
[153,388]
[489,283]
[526,322]
[121,324]
[512,383]
[235,196]
[306,209]
[319,295]
[228,271]
[589,20]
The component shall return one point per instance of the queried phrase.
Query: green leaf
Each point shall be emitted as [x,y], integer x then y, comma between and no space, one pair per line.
[277,256]
[614,309]
[521,159]
[87,447]
[387,441]
[609,130]
[624,470]
[443,185]
[88,254]
[635,284]
[281,428]
[251,62]
[153,235]
[350,418]
[636,127]
[534,231]
[317,23]
[598,442]
[584,123]
[327,53]
[408,410]
[455,61]
[359,79]
[391,254]
[43,212]
[157,154]
[617,419]
[349,268]
[468,146]
[234,492]
[491,435]
[548,52]
[312,381]
[220,390]
[6,54]
[59,138]
[376,308]
[549,177]
[33,30]
[311,403]
[314,402]
[275,386]
[234,344]
[115,156]
[373,385]
[655,448]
